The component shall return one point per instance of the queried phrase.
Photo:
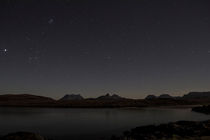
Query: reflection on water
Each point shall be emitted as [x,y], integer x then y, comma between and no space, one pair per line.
[58,123]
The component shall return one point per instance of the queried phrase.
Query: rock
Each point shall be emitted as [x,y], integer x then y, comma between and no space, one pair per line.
[72,97]
[151,97]
[23,136]
[165,96]
[181,130]
[202,109]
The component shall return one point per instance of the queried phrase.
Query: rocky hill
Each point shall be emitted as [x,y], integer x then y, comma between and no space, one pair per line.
[25,100]
[110,97]
[165,96]
[162,96]
[191,95]
[149,97]
[197,95]
[72,97]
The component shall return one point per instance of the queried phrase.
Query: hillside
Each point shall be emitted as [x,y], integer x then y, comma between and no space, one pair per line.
[25,100]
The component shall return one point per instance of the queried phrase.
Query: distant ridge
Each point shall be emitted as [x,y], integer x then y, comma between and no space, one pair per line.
[165,96]
[110,97]
[151,97]
[114,100]
[162,96]
[197,95]
[25,100]
[72,97]
[28,97]
[190,95]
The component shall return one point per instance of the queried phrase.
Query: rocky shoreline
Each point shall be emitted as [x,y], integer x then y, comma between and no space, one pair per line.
[202,109]
[181,130]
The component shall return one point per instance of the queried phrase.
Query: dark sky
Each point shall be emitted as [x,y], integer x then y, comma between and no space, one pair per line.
[92,47]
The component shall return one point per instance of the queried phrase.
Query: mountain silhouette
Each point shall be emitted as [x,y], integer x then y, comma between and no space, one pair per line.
[110,97]
[72,97]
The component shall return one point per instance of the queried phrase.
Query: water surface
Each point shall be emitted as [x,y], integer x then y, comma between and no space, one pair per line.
[74,124]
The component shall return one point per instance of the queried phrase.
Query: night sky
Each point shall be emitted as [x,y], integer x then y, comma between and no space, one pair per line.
[93,47]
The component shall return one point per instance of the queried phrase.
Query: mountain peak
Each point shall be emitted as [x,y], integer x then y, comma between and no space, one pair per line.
[165,96]
[72,97]
[151,97]
[108,96]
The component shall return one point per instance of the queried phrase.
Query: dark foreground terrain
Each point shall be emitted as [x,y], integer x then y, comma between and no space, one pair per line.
[23,136]
[181,130]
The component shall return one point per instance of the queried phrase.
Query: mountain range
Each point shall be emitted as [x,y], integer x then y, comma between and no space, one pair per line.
[107,100]
[190,95]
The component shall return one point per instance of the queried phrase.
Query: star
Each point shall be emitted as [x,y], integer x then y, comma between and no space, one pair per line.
[51,20]
[108,58]
[4,50]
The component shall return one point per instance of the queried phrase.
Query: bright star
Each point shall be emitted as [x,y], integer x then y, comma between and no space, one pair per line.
[4,50]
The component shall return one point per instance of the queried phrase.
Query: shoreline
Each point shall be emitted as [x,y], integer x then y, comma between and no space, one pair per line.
[179,130]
